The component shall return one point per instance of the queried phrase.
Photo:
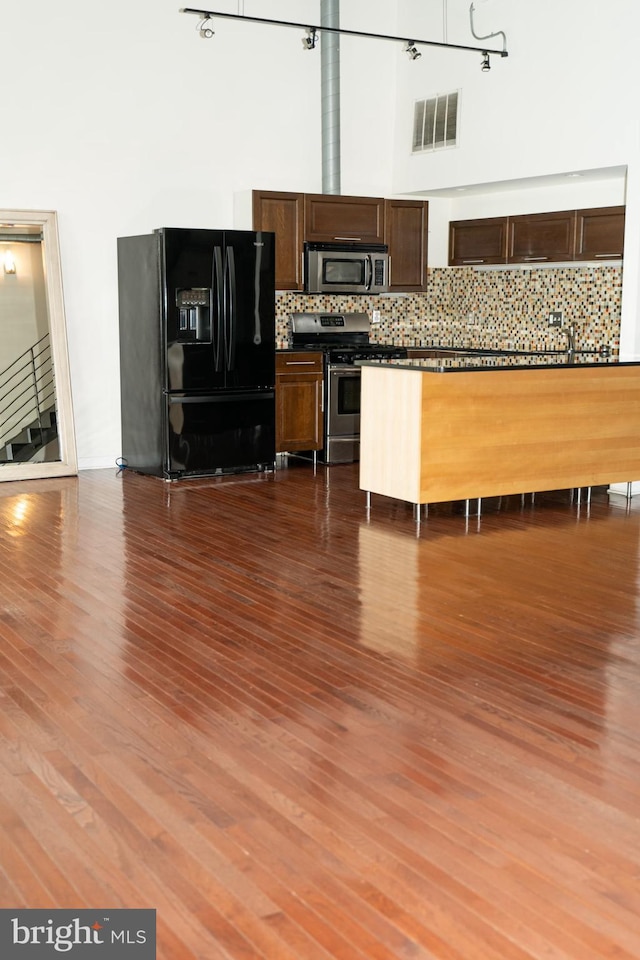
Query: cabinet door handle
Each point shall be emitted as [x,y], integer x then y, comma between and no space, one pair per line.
[300,363]
[535,258]
[607,256]
[348,238]
[473,261]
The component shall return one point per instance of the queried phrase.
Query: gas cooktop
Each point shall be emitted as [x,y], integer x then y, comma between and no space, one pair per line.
[371,351]
[343,337]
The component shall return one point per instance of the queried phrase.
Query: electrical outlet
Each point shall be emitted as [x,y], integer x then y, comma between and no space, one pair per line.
[375,316]
[555,318]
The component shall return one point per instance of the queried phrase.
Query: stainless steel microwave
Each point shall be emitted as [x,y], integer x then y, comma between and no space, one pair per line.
[346,268]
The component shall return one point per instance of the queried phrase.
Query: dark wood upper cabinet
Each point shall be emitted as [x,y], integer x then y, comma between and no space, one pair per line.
[600,233]
[478,241]
[283,214]
[330,217]
[593,234]
[406,224]
[536,237]
[296,217]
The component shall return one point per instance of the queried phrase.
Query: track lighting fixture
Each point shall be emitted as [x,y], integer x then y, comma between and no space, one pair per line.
[486,63]
[411,51]
[205,31]
[313,34]
[488,36]
[309,42]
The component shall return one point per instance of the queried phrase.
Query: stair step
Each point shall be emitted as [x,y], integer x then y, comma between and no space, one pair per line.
[30,439]
[12,450]
[22,451]
[37,434]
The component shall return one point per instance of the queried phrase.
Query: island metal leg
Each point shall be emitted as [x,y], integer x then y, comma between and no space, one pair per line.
[417,511]
[579,497]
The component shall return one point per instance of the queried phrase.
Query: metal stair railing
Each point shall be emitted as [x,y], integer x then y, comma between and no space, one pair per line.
[27,389]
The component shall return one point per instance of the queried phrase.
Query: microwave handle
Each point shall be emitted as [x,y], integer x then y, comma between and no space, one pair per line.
[369,270]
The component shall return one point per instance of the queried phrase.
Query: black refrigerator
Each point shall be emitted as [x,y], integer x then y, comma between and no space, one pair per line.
[197,351]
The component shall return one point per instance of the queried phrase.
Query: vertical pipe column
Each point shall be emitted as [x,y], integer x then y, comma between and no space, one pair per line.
[330,67]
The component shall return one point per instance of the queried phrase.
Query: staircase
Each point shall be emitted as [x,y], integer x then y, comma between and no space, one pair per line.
[31,440]
[28,422]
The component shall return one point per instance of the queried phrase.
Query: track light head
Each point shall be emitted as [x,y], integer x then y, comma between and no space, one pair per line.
[204,30]
[310,40]
[485,66]
[411,50]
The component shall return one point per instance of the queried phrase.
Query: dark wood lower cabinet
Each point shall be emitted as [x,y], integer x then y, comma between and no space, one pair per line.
[299,383]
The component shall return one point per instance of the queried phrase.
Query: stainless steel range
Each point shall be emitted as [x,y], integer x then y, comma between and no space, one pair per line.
[343,338]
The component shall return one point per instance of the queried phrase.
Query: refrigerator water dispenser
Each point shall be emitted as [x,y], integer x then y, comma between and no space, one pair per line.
[194,315]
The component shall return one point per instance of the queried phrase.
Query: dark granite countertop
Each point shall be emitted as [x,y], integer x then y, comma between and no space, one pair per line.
[603,351]
[500,361]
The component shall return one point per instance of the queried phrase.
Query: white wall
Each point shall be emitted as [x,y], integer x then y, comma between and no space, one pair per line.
[124,120]
[561,102]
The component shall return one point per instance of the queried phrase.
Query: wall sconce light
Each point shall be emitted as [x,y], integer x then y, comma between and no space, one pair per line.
[9,262]
[485,65]
[412,51]
[309,42]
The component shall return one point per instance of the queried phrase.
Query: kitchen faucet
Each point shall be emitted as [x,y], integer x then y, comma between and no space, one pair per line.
[570,332]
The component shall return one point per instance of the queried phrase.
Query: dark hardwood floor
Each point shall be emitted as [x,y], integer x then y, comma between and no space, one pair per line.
[302,734]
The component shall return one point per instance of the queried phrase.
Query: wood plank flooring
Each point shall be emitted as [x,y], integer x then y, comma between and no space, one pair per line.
[302,733]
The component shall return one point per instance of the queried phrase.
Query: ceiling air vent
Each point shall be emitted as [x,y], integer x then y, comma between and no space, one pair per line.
[435,122]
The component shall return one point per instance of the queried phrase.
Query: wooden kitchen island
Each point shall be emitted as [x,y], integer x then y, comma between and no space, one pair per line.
[463,428]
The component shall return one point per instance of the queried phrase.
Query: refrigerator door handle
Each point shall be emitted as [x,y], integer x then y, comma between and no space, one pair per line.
[230,338]
[218,284]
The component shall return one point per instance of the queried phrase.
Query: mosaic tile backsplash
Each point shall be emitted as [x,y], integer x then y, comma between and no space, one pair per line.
[504,309]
